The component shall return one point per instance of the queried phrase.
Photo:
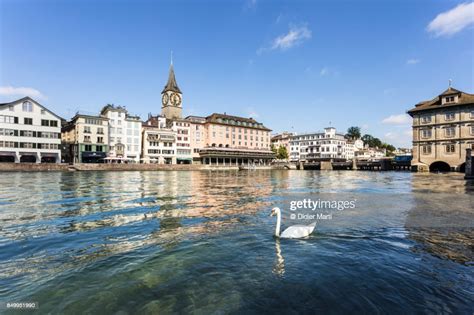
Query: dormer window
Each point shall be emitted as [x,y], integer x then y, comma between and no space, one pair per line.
[27,106]
[450,99]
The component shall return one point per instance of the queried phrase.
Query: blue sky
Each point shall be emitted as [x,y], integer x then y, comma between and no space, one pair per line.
[293,65]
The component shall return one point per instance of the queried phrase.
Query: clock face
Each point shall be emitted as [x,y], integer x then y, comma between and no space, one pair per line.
[165,99]
[175,99]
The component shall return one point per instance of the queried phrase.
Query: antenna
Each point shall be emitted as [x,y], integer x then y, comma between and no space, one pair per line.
[171,57]
[450,82]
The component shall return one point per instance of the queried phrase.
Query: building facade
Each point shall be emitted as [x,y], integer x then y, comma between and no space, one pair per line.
[218,138]
[125,132]
[230,140]
[282,140]
[85,139]
[29,132]
[159,141]
[443,128]
[325,145]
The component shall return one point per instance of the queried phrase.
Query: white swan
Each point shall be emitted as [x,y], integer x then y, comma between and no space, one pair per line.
[295,231]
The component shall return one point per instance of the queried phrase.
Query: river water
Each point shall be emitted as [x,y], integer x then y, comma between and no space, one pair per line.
[202,242]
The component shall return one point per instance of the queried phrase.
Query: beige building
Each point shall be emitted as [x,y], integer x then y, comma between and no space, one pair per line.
[221,139]
[282,140]
[85,139]
[218,139]
[443,128]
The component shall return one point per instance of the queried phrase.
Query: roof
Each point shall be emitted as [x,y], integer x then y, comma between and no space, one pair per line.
[435,103]
[171,85]
[27,98]
[112,107]
[225,119]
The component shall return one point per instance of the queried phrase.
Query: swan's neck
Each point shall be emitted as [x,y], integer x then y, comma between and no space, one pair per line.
[277,229]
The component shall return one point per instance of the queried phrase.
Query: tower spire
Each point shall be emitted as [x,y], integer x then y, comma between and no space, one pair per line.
[171,58]
[171,85]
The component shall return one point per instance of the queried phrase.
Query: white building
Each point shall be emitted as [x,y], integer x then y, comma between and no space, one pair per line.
[159,141]
[321,145]
[182,128]
[124,133]
[352,147]
[29,132]
[370,154]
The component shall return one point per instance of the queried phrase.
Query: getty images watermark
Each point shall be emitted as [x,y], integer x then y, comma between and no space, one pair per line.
[318,204]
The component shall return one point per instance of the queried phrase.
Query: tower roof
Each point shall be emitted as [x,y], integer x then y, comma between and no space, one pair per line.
[171,85]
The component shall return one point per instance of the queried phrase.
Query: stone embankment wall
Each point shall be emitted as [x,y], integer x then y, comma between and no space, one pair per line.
[33,167]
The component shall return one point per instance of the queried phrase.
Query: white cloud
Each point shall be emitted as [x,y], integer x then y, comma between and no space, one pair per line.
[413,61]
[324,71]
[402,119]
[453,21]
[402,138]
[10,91]
[294,37]
[250,5]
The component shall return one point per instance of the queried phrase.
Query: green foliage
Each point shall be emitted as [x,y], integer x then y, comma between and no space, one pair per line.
[282,153]
[353,133]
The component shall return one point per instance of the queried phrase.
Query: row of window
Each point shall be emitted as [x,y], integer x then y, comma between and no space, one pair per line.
[157,144]
[98,148]
[88,139]
[447,117]
[306,143]
[29,133]
[100,130]
[264,133]
[29,145]
[448,132]
[240,144]
[27,121]
[448,148]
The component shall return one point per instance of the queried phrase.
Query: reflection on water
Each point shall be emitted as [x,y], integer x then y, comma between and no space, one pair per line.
[167,242]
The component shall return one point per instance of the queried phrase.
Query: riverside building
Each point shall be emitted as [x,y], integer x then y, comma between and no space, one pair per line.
[29,132]
[218,139]
[159,141]
[327,145]
[443,128]
[85,139]
[125,133]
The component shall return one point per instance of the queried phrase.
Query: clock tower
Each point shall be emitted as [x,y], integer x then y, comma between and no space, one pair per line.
[171,97]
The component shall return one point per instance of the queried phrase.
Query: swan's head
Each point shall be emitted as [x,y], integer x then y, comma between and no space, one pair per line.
[275,211]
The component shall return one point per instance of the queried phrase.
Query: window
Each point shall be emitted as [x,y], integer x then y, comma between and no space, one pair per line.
[88,147]
[472,130]
[472,114]
[53,123]
[450,148]
[27,106]
[11,108]
[426,149]
[8,119]
[449,116]
[87,138]
[87,129]
[98,148]
[426,133]
[43,112]
[449,99]
[450,132]
[44,122]
[100,139]
[28,121]
[100,131]
[425,119]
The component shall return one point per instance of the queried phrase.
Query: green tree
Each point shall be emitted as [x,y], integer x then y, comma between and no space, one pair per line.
[353,133]
[272,147]
[282,153]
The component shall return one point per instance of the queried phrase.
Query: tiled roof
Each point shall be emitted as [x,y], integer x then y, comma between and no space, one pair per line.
[235,121]
[435,103]
[171,85]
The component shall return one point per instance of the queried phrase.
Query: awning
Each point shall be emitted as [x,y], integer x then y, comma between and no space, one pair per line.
[94,154]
